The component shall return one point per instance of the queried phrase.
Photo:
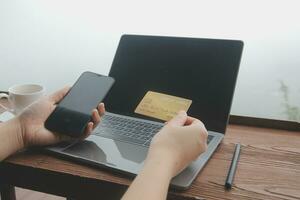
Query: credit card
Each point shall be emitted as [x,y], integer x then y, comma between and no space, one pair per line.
[162,106]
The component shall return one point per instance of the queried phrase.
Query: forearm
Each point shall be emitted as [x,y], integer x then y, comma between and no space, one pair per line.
[10,137]
[151,183]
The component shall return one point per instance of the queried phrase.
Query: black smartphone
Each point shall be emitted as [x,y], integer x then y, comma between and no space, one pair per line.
[73,112]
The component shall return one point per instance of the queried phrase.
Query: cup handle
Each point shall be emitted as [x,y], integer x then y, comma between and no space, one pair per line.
[3,95]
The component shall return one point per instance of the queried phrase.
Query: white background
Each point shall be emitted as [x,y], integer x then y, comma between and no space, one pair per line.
[52,41]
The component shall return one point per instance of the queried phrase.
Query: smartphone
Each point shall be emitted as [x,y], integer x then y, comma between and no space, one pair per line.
[73,112]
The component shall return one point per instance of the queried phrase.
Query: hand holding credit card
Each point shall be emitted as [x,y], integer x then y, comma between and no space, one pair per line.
[162,106]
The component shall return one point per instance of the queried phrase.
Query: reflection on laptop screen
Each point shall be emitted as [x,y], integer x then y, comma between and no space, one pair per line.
[201,70]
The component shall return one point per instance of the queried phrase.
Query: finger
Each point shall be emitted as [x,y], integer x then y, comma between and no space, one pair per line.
[101,109]
[179,119]
[58,95]
[197,122]
[199,125]
[89,129]
[87,132]
[190,120]
[95,118]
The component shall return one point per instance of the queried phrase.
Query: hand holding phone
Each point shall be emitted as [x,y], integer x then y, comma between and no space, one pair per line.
[73,112]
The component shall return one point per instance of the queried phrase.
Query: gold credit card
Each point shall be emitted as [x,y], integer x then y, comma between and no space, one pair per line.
[162,106]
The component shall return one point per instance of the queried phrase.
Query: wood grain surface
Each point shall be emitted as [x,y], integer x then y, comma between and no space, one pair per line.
[269,168]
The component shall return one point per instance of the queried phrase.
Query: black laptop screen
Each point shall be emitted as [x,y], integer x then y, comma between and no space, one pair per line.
[202,70]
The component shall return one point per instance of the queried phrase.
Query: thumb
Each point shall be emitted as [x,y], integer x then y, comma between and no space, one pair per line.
[179,119]
[58,95]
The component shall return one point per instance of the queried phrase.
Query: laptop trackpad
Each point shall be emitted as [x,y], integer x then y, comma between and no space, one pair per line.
[88,150]
[118,155]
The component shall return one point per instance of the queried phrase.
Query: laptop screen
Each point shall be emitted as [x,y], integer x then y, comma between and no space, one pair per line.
[201,70]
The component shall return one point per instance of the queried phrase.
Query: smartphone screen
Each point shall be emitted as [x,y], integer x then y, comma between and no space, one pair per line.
[73,112]
[88,91]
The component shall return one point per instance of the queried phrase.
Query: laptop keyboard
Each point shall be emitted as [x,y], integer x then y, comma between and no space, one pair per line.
[129,130]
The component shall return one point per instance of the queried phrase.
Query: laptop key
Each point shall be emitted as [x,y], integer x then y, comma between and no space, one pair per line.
[209,138]
[147,143]
[123,138]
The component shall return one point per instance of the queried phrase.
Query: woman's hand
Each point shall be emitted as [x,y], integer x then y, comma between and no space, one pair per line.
[173,148]
[28,129]
[32,120]
[178,143]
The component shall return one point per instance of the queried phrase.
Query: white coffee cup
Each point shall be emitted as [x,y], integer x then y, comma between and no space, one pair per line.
[21,96]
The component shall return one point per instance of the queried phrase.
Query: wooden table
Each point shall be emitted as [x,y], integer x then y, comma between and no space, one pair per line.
[269,168]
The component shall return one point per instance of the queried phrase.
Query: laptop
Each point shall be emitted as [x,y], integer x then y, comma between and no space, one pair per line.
[203,71]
